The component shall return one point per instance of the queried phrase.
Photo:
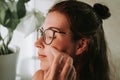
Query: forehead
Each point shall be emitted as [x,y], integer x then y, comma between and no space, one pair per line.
[57,20]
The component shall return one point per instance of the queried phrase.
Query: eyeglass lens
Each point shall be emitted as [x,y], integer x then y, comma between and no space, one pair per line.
[47,35]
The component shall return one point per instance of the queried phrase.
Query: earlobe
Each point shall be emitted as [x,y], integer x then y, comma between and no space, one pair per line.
[82,46]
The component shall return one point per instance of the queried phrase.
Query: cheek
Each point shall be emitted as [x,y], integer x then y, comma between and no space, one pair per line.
[64,45]
[59,45]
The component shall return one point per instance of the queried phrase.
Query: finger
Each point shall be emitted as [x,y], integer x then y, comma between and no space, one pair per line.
[58,56]
[72,75]
[56,62]
[55,67]
[67,68]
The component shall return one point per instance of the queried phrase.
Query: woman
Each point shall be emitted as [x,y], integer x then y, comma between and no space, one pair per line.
[72,45]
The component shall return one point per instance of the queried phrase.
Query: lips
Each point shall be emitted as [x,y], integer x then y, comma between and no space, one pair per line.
[41,56]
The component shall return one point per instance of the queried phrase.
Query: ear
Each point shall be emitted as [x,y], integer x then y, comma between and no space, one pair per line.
[82,45]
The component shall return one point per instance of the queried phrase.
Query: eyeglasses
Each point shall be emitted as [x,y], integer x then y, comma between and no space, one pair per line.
[48,34]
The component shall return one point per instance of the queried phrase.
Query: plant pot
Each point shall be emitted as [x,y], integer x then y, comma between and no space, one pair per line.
[8,64]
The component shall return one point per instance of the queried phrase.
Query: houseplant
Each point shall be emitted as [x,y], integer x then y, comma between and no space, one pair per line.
[12,13]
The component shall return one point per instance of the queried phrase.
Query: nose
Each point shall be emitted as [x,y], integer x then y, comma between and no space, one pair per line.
[39,43]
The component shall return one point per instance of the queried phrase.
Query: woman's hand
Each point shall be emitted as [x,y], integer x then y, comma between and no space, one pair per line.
[61,69]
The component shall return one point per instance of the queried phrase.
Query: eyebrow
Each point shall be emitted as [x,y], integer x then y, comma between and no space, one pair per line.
[53,28]
[58,29]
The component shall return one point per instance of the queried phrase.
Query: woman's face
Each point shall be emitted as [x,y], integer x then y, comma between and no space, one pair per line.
[61,42]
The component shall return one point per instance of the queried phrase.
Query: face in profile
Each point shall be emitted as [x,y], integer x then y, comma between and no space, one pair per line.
[55,33]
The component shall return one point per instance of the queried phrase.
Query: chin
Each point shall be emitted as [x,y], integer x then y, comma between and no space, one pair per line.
[44,66]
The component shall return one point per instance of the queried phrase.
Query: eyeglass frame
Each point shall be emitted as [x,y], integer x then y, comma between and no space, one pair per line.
[55,30]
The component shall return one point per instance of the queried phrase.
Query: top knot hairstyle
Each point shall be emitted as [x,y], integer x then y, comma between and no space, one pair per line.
[86,22]
[102,10]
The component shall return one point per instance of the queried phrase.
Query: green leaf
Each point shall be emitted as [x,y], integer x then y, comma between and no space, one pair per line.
[0,37]
[3,48]
[7,16]
[3,8]
[9,37]
[12,6]
[25,0]
[3,0]
[12,24]
[2,16]
[11,0]
[21,10]
[11,20]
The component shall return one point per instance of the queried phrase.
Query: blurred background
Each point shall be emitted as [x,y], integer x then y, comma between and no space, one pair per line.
[28,62]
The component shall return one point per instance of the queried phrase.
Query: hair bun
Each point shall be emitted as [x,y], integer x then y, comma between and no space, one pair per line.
[102,10]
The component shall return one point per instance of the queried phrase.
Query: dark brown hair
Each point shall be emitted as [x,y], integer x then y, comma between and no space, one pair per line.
[87,21]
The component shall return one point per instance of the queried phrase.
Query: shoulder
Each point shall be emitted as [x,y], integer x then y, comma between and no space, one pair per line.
[38,75]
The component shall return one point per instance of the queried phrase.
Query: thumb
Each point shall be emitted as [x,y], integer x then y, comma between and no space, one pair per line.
[39,75]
